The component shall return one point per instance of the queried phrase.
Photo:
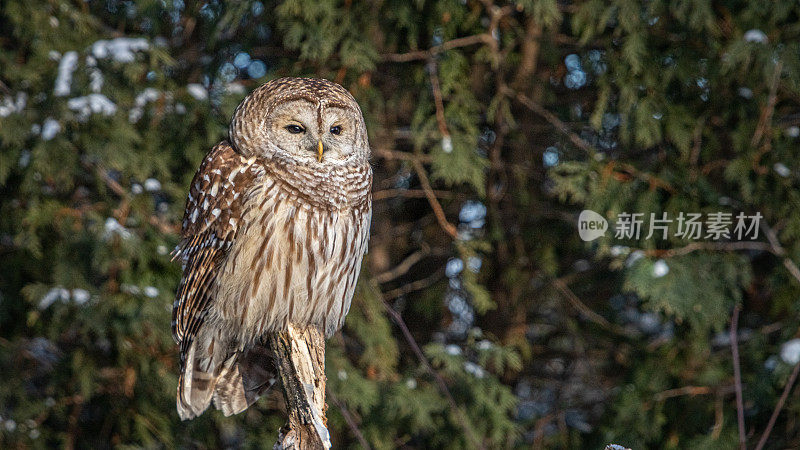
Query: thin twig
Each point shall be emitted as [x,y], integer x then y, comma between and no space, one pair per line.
[780,251]
[404,266]
[765,120]
[414,286]
[585,310]
[437,208]
[350,420]
[462,416]
[778,407]
[427,54]
[737,377]
[433,74]
[712,246]
[408,193]
[402,156]
[691,391]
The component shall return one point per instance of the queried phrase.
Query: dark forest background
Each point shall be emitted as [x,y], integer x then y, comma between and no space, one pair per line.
[481,320]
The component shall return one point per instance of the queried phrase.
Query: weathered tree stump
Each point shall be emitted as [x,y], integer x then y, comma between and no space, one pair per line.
[300,360]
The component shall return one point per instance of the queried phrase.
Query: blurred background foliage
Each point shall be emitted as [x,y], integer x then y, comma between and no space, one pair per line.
[482,319]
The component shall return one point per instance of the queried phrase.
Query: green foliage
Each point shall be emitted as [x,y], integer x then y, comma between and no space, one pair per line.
[699,289]
[523,114]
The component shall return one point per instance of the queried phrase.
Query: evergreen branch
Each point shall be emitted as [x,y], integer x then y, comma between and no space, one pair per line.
[582,143]
[737,377]
[462,416]
[350,420]
[789,383]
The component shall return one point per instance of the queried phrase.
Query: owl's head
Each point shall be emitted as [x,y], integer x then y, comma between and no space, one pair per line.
[305,121]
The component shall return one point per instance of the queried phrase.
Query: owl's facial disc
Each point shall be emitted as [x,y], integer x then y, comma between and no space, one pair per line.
[308,132]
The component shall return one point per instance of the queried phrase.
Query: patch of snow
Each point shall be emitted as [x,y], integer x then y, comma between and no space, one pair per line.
[474,369]
[197,91]
[152,185]
[24,158]
[130,289]
[119,49]
[485,345]
[454,267]
[452,350]
[95,79]
[756,36]
[660,268]
[474,263]
[790,351]
[136,188]
[793,131]
[235,88]
[447,144]
[50,128]
[9,106]
[150,291]
[619,250]
[67,66]
[113,227]
[781,169]
[636,255]
[745,92]
[92,104]
[80,296]
[53,295]
[147,95]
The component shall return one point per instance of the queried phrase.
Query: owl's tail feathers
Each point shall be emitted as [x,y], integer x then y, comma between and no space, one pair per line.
[243,379]
[195,386]
[234,383]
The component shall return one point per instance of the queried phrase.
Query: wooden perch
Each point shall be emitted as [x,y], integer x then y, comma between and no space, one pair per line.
[300,360]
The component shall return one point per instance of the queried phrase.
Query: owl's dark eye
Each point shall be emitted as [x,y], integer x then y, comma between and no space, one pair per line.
[337,130]
[294,129]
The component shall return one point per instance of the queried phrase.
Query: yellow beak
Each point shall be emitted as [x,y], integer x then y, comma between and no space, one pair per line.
[319,151]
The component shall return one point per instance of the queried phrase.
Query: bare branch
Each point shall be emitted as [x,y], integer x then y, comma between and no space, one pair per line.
[437,208]
[585,310]
[300,360]
[789,383]
[427,54]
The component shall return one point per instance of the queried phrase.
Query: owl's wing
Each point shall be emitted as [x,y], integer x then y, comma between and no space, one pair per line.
[212,217]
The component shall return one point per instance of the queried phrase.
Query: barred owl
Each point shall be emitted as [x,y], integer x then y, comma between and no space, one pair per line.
[274,231]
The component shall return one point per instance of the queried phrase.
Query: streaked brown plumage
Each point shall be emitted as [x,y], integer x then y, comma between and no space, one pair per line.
[275,228]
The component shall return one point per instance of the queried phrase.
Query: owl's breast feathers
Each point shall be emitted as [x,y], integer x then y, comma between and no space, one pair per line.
[266,243]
